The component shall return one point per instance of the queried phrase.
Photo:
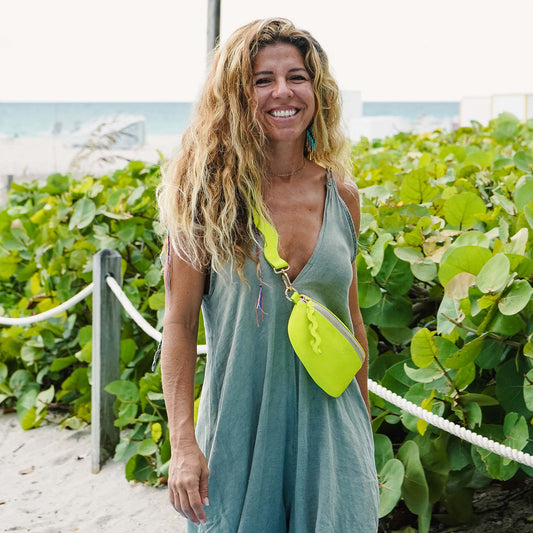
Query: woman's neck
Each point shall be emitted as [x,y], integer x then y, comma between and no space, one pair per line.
[285,159]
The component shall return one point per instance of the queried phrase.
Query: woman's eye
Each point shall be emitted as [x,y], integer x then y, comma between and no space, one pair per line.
[262,81]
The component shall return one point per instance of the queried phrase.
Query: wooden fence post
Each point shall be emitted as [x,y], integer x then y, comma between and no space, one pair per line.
[105,357]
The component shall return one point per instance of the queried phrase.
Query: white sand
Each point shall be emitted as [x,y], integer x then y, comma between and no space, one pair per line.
[46,486]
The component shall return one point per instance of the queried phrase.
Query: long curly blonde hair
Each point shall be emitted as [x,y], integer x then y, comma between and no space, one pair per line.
[209,188]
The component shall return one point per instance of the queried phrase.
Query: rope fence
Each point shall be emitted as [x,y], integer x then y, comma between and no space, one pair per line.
[106,341]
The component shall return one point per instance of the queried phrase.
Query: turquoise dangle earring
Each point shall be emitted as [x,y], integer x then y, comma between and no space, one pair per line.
[311,143]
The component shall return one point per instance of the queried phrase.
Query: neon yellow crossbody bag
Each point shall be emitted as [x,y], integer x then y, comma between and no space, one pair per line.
[326,347]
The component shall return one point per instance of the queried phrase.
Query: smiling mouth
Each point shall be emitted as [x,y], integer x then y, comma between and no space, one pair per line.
[283,113]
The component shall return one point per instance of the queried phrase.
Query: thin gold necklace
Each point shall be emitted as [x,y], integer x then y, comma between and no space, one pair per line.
[290,174]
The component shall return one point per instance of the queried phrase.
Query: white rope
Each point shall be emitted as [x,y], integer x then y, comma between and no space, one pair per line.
[128,307]
[137,317]
[5,321]
[450,427]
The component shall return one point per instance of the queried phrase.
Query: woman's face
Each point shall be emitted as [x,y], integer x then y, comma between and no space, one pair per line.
[283,92]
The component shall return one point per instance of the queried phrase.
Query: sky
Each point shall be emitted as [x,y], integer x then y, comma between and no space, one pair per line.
[155,50]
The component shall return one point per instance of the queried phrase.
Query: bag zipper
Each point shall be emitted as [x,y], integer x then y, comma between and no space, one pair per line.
[339,325]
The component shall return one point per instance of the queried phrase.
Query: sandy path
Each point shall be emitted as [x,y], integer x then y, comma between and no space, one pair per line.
[46,486]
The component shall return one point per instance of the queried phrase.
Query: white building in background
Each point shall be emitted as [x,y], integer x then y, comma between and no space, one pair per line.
[484,108]
[373,127]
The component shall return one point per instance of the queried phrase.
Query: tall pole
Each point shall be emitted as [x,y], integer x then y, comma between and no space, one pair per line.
[213,24]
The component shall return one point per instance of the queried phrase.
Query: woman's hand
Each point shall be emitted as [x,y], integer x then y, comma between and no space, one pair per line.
[187,483]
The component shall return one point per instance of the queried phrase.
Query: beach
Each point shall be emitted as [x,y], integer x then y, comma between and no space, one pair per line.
[47,487]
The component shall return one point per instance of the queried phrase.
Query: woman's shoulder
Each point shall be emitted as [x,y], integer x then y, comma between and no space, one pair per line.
[349,194]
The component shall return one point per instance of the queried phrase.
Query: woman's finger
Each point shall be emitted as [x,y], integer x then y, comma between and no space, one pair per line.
[195,502]
[204,491]
[186,507]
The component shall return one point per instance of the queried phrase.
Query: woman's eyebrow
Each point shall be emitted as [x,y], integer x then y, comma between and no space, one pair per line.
[264,72]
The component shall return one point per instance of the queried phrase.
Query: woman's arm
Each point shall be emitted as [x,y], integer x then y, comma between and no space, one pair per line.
[188,472]
[349,193]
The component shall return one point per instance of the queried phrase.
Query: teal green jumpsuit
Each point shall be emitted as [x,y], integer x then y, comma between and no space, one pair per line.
[283,455]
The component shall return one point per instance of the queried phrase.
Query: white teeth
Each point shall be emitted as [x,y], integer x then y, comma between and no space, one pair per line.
[284,112]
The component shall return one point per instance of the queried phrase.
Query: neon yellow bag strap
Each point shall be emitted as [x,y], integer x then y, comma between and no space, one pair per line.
[271,238]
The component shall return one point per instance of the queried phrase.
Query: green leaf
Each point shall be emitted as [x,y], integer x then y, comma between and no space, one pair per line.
[518,242]
[18,380]
[423,348]
[516,431]
[461,210]
[395,275]
[516,298]
[31,419]
[494,275]
[147,447]
[415,490]
[138,468]
[472,238]
[126,449]
[392,311]
[128,349]
[398,336]
[378,252]
[85,335]
[523,161]
[390,486]
[528,213]
[127,414]
[416,189]
[408,253]
[466,355]
[368,291]
[83,215]
[156,301]
[505,128]
[510,386]
[382,450]
[507,325]
[8,266]
[448,309]
[153,276]
[479,399]
[528,390]
[44,398]
[465,375]
[463,259]
[3,372]
[424,270]
[125,391]
[458,453]
[504,202]
[423,375]
[26,401]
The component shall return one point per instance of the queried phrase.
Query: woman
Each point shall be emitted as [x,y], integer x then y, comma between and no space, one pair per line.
[272,451]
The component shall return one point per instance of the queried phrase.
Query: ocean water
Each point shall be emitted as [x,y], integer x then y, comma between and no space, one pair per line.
[162,118]
[44,119]
[412,110]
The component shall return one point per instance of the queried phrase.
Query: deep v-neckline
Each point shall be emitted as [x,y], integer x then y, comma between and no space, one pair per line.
[319,239]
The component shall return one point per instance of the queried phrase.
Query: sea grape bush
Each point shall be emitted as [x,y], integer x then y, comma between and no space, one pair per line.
[444,271]
[48,235]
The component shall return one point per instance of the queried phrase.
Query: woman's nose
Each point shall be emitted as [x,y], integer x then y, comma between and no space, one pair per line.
[282,88]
